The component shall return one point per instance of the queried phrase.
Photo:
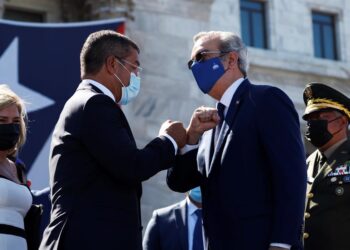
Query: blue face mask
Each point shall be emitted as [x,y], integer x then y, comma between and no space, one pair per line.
[196,194]
[130,92]
[207,73]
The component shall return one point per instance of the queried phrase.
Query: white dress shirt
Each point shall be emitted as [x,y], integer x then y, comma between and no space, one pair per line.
[107,92]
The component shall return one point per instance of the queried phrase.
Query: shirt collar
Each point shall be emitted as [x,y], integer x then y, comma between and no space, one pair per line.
[331,150]
[101,87]
[230,91]
[191,207]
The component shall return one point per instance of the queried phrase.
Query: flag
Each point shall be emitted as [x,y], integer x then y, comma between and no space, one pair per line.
[40,63]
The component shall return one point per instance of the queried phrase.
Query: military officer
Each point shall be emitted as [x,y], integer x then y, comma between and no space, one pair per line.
[327,214]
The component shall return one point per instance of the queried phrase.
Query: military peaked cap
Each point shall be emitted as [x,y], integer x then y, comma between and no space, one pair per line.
[318,96]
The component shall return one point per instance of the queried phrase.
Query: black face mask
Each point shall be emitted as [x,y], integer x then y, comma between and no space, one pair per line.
[9,134]
[317,132]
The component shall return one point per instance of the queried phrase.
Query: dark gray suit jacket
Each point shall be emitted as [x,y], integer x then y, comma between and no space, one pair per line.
[96,172]
[167,229]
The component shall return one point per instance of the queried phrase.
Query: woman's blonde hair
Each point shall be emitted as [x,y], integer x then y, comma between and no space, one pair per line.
[7,98]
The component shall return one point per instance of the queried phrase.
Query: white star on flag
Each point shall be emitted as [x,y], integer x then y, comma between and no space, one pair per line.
[9,75]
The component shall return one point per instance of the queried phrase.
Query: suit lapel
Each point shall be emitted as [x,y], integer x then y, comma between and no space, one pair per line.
[204,152]
[181,222]
[230,117]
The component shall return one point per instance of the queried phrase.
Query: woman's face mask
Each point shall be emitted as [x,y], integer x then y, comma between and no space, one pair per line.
[9,135]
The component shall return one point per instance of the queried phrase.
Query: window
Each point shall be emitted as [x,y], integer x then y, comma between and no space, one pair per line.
[23,15]
[324,35]
[253,23]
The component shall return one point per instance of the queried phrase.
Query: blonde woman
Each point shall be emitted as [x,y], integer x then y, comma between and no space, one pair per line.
[15,197]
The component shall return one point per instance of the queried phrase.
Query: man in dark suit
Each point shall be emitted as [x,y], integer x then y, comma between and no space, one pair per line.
[327,224]
[96,169]
[176,227]
[251,167]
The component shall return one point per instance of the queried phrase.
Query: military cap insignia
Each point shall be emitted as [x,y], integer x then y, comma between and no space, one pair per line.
[308,93]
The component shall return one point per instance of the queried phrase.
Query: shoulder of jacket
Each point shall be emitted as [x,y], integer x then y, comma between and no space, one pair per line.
[169,209]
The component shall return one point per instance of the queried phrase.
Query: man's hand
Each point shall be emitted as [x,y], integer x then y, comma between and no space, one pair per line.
[176,130]
[203,119]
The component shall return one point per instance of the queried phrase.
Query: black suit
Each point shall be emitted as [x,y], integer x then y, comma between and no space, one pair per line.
[253,183]
[96,172]
[167,229]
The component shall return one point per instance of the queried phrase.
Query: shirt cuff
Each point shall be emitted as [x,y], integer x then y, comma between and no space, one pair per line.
[172,141]
[187,148]
[280,245]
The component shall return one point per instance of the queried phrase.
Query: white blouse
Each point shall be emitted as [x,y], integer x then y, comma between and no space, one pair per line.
[15,201]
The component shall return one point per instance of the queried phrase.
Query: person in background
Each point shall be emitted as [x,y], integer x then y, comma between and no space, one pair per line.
[251,167]
[176,227]
[327,113]
[15,196]
[95,167]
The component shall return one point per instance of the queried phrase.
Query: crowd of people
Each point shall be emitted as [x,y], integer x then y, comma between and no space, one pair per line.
[242,164]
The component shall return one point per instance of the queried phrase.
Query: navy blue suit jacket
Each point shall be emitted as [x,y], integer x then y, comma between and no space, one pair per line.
[167,229]
[253,183]
[96,172]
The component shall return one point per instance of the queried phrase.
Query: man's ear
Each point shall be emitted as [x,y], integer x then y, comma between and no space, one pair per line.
[233,60]
[111,65]
[345,120]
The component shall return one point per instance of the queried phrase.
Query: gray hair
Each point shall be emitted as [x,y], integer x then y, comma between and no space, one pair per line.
[229,41]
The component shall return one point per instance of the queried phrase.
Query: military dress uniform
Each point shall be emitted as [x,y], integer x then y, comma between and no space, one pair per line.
[327,212]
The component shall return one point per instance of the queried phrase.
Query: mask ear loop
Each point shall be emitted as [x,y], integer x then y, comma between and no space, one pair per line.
[119,80]
[125,69]
[333,121]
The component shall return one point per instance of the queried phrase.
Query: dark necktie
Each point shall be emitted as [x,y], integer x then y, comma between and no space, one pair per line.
[221,108]
[197,234]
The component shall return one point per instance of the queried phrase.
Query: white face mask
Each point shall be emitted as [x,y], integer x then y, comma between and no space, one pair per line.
[130,92]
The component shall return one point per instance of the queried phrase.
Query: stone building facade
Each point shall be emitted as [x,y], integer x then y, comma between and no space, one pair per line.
[164,30]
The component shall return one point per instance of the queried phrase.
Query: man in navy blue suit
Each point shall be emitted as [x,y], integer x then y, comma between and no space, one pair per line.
[251,167]
[176,227]
[96,169]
